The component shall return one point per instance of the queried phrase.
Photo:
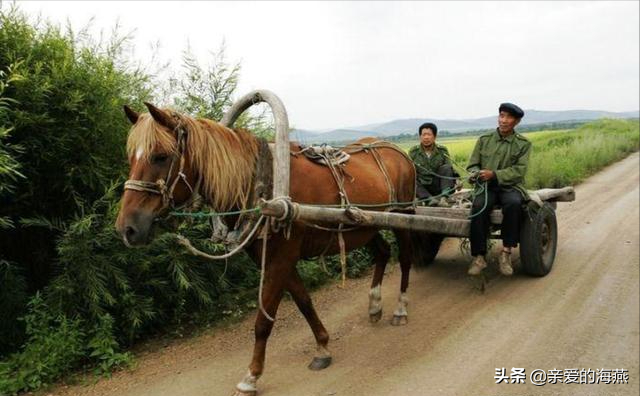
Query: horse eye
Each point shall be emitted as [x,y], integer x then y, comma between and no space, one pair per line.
[159,158]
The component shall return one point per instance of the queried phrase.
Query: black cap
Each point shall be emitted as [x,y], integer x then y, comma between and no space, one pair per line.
[429,125]
[512,109]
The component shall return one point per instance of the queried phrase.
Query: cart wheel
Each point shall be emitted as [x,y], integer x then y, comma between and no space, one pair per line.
[426,246]
[538,240]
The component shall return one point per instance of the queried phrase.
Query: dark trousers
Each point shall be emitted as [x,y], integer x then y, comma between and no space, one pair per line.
[511,202]
[438,184]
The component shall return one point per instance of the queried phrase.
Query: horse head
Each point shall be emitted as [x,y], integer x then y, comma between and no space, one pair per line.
[161,177]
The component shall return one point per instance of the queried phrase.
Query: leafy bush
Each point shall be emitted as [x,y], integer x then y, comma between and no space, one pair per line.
[13,300]
[144,289]
[13,293]
[62,103]
[104,348]
[55,344]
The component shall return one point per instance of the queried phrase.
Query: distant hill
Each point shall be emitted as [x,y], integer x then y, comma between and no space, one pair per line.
[409,125]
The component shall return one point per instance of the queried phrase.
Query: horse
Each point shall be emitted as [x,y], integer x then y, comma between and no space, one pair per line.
[171,155]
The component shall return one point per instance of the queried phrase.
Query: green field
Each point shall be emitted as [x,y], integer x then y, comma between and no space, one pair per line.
[562,157]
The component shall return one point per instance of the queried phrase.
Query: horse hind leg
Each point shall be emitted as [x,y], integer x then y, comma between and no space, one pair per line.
[400,315]
[322,358]
[381,254]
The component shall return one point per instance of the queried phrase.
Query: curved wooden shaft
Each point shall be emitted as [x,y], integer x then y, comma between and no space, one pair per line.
[281,154]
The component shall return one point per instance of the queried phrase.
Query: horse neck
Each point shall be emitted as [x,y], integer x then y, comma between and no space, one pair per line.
[226,164]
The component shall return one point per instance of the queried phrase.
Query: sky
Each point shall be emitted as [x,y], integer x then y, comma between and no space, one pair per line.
[341,64]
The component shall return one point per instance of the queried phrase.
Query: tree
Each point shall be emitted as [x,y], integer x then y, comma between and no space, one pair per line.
[208,91]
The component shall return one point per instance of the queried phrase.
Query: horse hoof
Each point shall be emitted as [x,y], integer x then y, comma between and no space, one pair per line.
[319,363]
[241,393]
[399,320]
[374,318]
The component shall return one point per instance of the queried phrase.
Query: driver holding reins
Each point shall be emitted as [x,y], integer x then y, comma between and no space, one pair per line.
[498,164]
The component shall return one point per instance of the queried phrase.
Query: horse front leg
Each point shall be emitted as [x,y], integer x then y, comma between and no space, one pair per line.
[381,253]
[271,297]
[322,359]
[400,315]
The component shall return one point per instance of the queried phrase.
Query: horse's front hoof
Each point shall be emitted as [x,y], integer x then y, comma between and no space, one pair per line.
[399,320]
[374,318]
[319,363]
[245,393]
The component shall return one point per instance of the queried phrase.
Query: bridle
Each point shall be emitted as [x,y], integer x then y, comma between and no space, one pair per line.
[165,187]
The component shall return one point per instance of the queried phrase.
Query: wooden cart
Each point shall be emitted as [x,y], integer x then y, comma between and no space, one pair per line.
[539,234]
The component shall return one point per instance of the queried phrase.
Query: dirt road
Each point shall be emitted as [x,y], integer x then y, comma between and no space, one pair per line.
[584,314]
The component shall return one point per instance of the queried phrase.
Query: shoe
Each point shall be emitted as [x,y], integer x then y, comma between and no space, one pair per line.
[444,202]
[477,265]
[504,261]
[432,201]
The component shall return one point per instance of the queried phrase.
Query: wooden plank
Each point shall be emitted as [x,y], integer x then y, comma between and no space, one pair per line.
[455,213]
[565,194]
[390,220]
[447,221]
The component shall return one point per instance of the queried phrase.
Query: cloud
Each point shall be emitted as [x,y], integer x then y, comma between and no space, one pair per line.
[351,63]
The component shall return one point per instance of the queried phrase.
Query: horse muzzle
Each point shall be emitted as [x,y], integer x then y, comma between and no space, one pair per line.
[135,228]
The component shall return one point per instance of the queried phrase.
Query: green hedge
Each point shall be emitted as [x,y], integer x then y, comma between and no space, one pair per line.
[61,121]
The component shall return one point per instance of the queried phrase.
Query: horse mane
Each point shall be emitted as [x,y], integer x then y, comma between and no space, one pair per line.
[224,157]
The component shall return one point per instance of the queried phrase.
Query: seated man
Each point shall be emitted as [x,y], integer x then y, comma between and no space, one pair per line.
[499,161]
[432,161]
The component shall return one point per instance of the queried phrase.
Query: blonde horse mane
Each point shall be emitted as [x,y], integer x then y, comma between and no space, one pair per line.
[225,158]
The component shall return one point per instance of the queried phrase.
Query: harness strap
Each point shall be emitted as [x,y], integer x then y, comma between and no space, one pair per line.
[140,185]
[392,192]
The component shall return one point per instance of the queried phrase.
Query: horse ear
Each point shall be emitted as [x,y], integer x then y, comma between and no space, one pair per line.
[131,114]
[161,116]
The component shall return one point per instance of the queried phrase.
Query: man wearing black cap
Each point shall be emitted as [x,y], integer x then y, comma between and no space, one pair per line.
[434,171]
[499,162]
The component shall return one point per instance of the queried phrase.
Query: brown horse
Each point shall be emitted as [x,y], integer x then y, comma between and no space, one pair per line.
[169,153]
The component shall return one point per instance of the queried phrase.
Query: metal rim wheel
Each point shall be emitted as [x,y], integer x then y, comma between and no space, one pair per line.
[538,240]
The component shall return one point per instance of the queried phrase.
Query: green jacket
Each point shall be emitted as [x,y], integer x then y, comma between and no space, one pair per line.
[507,157]
[425,164]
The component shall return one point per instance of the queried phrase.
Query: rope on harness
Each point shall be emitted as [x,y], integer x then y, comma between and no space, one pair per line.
[213,214]
[193,250]
[438,175]
[343,258]
[387,179]
[263,259]
[352,205]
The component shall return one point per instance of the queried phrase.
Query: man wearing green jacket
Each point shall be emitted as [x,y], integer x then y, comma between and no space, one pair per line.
[432,161]
[499,162]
